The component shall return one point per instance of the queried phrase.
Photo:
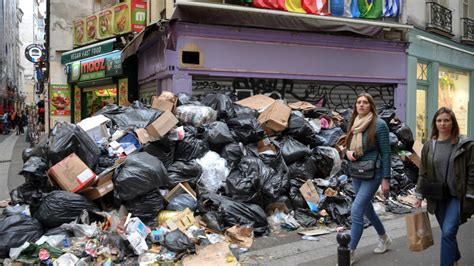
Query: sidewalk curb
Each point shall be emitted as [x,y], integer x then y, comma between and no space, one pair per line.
[303,251]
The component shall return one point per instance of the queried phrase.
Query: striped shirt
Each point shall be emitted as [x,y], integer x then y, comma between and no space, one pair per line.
[382,146]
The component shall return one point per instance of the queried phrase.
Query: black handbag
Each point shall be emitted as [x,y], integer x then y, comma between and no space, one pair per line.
[364,170]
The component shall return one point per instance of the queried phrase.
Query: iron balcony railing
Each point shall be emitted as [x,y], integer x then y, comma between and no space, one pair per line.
[467,29]
[439,17]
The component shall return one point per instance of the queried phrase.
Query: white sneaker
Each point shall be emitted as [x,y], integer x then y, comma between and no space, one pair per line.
[383,245]
[352,261]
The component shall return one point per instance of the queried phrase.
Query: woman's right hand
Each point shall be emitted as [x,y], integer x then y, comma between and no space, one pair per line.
[418,203]
[350,155]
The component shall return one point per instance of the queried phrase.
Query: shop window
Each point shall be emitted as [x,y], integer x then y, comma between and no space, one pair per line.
[422,71]
[191,56]
[453,92]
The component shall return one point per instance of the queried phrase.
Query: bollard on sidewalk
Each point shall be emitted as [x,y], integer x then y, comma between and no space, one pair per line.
[343,252]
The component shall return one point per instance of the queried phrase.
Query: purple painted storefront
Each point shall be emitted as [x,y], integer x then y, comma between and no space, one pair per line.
[295,65]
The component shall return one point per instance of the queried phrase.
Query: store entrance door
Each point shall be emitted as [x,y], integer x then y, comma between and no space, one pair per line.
[421,117]
[93,99]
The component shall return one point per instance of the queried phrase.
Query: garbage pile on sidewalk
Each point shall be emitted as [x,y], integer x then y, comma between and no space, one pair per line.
[188,180]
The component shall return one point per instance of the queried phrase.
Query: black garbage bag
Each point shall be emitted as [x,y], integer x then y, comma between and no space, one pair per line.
[26,154]
[386,113]
[405,136]
[324,159]
[305,217]
[180,172]
[190,148]
[178,242]
[29,192]
[67,138]
[305,169]
[243,110]
[293,150]
[338,208]
[331,136]
[221,103]
[181,202]
[301,130]
[232,153]
[214,220]
[15,210]
[235,213]
[60,207]
[393,139]
[246,129]
[139,174]
[184,98]
[41,149]
[218,133]
[34,169]
[15,230]
[346,114]
[146,207]
[130,117]
[297,200]
[244,182]
[163,149]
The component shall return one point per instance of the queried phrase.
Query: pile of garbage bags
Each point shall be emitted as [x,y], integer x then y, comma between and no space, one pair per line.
[134,179]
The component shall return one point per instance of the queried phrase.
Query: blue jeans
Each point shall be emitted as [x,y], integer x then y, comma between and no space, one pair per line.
[447,214]
[365,191]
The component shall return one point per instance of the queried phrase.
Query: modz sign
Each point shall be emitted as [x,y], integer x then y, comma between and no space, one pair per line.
[96,68]
[35,53]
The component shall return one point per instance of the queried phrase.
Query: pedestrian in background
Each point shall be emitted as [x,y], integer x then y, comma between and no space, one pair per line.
[446,180]
[5,124]
[22,122]
[368,140]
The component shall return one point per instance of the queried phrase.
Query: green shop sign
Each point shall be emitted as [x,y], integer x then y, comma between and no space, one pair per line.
[96,68]
[88,51]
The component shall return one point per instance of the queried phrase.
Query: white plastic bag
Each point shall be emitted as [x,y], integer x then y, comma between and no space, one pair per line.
[214,171]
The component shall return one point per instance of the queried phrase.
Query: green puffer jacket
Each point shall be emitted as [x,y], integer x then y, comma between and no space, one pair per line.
[464,172]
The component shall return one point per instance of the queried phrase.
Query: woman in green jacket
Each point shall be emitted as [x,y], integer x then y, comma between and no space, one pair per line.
[446,180]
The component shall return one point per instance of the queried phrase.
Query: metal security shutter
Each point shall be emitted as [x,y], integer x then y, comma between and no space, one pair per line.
[146,91]
[333,95]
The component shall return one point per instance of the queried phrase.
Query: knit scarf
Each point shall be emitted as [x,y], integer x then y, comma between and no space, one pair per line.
[360,125]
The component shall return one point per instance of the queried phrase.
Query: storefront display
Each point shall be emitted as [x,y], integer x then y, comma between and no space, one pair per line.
[59,103]
[453,92]
[98,97]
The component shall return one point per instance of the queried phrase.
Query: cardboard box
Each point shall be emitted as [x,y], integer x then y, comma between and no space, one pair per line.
[180,189]
[257,102]
[101,186]
[165,102]
[265,145]
[71,174]
[310,194]
[300,105]
[415,158]
[181,221]
[95,127]
[157,129]
[275,117]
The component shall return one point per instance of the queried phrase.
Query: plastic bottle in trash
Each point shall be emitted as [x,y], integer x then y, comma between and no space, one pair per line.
[310,238]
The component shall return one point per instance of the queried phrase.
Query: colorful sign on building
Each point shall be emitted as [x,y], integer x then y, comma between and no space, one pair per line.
[106,21]
[91,28]
[123,91]
[99,67]
[79,29]
[60,100]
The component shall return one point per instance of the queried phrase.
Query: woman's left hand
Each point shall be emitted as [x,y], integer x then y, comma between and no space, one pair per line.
[385,185]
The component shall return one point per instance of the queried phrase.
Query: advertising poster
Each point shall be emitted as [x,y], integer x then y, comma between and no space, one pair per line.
[123,91]
[77,104]
[91,28]
[79,28]
[60,100]
[138,15]
[122,18]
[105,24]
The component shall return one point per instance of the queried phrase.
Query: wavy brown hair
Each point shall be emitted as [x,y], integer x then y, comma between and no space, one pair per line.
[370,128]
[455,128]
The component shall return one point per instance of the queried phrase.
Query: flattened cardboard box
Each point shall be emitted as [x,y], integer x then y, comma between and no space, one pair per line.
[71,174]
[275,117]
[310,194]
[101,187]
[415,158]
[163,104]
[256,102]
[158,128]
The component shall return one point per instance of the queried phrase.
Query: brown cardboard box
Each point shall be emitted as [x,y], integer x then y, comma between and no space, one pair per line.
[101,187]
[257,102]
[165,102]
[162,125]
[265,145]
[310,194]
[157,129]
[275,117]
[415,158]
[71,174]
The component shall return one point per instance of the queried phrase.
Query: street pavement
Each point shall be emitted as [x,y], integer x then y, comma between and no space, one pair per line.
[287,248]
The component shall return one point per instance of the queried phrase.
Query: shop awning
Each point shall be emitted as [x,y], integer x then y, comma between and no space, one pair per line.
[132,47]
[88,51]
[234,15]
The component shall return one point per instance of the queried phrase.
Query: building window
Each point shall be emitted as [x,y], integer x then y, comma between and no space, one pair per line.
[422,71]
[453,92]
